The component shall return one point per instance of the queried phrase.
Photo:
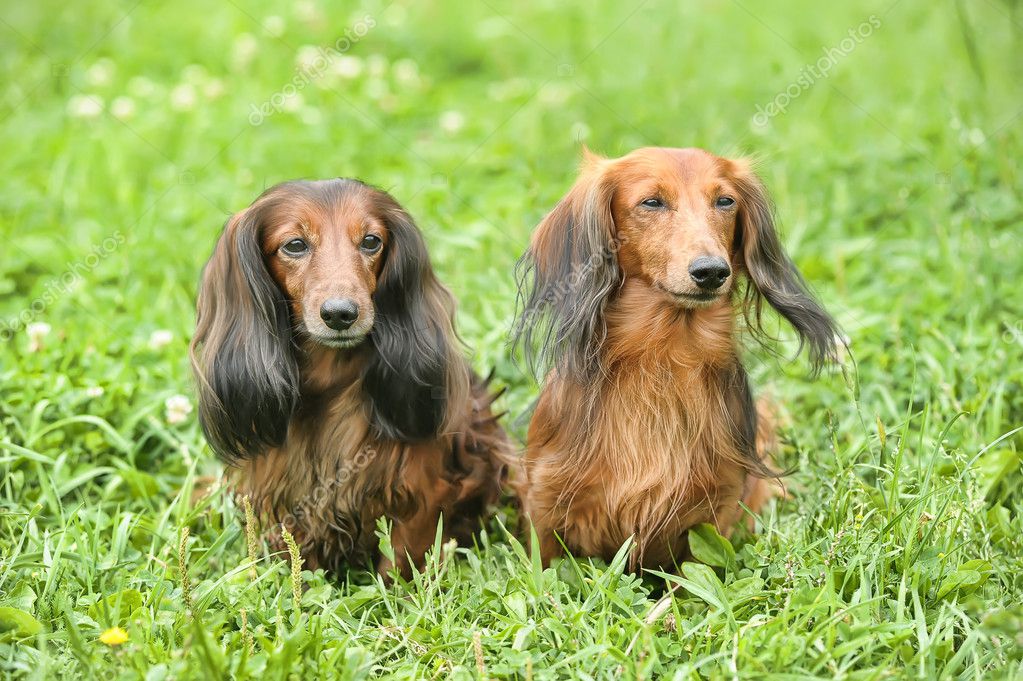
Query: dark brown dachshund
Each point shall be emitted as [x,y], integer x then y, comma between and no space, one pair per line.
[330,375]
[646,425]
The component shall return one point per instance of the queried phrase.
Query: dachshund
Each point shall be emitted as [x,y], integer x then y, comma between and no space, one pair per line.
[629,300]
[331,379]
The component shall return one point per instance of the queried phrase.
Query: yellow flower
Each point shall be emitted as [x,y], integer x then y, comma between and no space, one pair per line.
[114,636]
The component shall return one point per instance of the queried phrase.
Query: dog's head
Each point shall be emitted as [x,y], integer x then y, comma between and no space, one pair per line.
[324,245]
[330,266]
[682,221]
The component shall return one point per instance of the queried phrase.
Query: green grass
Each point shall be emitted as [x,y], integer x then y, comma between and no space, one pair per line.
[900,550]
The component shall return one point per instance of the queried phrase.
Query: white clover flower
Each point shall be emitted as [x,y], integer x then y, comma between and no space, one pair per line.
[36,332]
[194,73]
[274,26]
[94,391]
[292,102]
[307,57]
[101,73]
[452,121]
[182,97]
[213,88]
[160,339]
[348,67]
[244,50]
[406,71]
[85,106]
[141,87]
[307,11]
[377,65]
[178,407]
[122,108]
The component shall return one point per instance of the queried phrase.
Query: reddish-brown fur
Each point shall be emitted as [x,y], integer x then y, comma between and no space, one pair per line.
[335,471]
[652,443]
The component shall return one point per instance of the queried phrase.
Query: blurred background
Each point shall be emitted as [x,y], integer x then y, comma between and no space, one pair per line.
[887,132]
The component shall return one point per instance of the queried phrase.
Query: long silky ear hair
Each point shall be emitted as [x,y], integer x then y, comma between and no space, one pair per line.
[416,380]
[566,277]
[774,277]
[241,353]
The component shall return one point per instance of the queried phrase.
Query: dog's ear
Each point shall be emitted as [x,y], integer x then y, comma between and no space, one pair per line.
[416,379]
[242,353]
[566,277]
[773,276]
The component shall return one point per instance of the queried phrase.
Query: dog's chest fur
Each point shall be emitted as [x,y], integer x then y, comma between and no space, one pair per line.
[657,452]
[331,479]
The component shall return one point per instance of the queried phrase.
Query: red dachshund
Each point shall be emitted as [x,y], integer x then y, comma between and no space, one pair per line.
[646,425]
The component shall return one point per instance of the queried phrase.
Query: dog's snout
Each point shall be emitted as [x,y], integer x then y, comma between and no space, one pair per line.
[709,272]
[339,313]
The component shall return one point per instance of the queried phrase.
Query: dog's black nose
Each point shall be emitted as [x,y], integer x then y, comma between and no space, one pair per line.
[339,313]
[709,272]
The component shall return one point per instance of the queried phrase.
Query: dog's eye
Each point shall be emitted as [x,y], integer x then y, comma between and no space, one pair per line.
[724,202]
[652,203]
[295,247]
[371,243]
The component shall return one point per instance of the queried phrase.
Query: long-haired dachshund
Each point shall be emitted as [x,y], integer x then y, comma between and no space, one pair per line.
[330,374]
[646,425]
